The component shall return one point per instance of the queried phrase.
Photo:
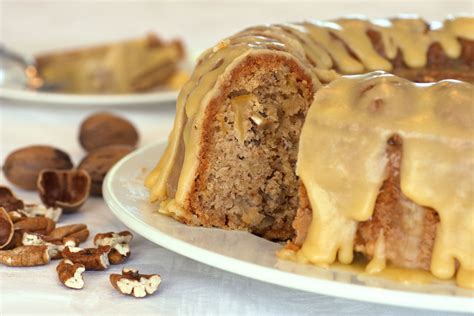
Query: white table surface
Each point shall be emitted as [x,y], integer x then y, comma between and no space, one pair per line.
[188,287]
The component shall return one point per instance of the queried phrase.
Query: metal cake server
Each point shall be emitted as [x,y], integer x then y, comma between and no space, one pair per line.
[17,71]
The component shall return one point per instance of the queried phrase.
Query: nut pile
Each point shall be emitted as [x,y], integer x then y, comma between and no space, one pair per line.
[29,235]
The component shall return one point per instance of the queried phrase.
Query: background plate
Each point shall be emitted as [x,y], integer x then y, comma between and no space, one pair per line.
[40,98]
[62,99]
[245,254]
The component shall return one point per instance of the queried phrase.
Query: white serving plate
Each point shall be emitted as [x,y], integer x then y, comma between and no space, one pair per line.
[24,96]
[247,255]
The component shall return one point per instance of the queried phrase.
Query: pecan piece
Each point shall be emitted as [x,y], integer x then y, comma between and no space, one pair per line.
[119,242]
[17,216]
[55,246]
[92,258]
[25,256]
[70,274]
[40,225]
[78,231]
[35,210]
[130,282]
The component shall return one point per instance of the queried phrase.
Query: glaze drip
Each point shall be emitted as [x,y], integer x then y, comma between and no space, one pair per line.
[350,122]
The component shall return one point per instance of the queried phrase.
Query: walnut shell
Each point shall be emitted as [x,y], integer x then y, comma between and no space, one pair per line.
[98,162]
[9,201]
[67,189]
[104,129]
[23,166]
[6,228]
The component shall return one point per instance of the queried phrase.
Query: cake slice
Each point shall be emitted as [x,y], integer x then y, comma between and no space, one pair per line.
[123,67]
[231,156]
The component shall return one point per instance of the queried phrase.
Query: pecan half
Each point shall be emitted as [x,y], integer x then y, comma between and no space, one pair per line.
[78,231]
[35,210]
[91,258]
[25,256]
[70,274]
[55,246]
[40,225]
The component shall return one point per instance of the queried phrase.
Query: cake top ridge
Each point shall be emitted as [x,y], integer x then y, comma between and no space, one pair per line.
[348,44]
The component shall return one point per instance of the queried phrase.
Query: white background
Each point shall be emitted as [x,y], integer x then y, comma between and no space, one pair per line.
[188,287]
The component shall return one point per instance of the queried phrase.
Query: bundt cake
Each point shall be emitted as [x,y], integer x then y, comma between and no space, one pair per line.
[232,154]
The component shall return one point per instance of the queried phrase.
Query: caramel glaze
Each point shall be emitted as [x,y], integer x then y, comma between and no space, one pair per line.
[406,45]
[350,122]
[408,228]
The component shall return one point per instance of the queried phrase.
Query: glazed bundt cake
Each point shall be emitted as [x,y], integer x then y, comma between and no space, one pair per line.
[232,154]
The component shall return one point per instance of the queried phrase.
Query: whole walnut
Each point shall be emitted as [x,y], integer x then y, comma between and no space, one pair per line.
[98,162]
[23,166]
[104,129]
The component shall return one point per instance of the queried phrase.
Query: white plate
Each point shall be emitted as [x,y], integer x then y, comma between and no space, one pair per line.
[151,98]
[64,99]
[254,257]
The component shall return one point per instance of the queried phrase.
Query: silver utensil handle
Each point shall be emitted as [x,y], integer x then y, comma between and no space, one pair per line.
[6,53]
